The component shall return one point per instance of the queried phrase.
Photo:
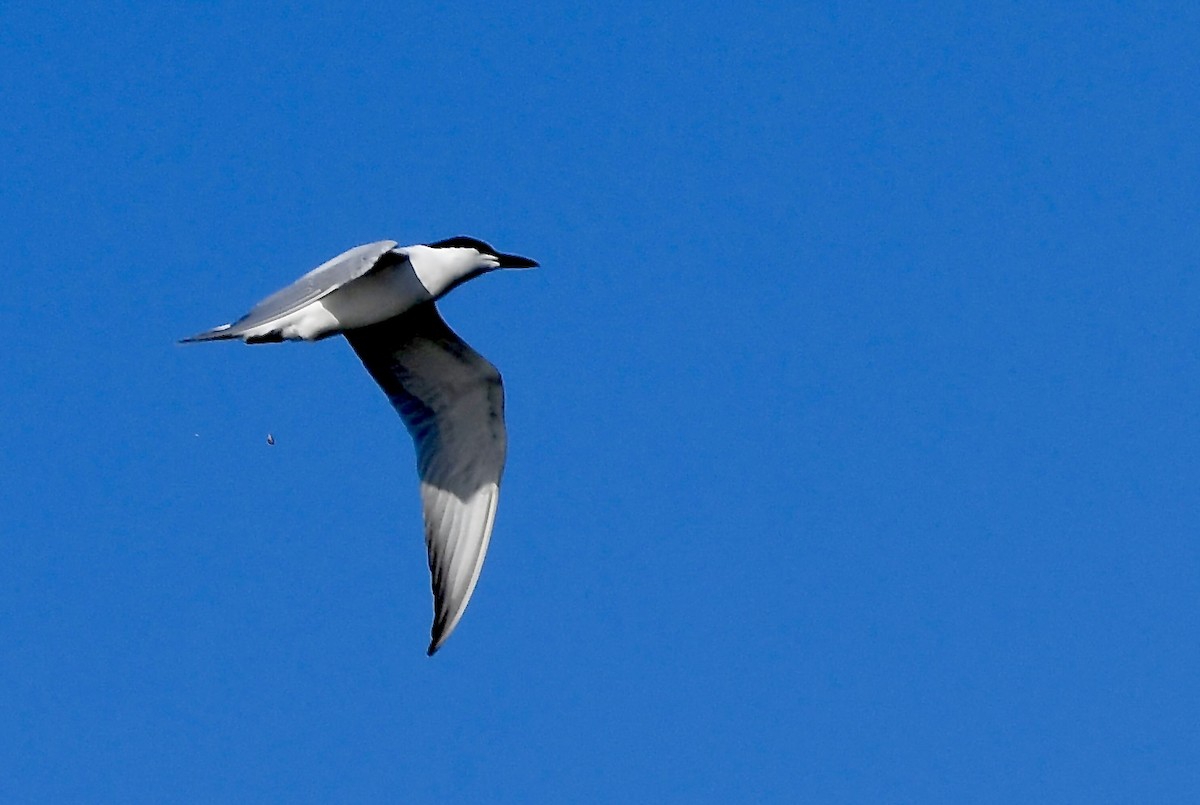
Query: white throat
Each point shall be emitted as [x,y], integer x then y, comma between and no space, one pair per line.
[439,270]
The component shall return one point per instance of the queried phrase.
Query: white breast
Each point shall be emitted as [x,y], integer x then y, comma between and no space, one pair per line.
[370,299]
[376,297]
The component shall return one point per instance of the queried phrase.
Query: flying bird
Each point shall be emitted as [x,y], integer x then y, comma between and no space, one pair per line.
[381,297]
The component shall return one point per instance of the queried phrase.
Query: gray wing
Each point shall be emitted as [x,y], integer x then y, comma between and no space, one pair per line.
[321,281]
[452,401]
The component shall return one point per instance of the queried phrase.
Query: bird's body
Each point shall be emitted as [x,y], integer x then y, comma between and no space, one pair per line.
[380,296]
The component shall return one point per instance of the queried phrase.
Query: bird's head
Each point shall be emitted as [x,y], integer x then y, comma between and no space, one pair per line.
[448,263]
[478,254]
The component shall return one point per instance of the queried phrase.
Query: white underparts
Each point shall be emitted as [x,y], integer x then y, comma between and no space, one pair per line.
[367,300]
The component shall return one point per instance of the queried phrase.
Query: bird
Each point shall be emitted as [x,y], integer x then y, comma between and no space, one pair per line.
[382,298]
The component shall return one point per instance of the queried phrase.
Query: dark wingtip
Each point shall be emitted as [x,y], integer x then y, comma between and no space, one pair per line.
[222,333]
[437,636]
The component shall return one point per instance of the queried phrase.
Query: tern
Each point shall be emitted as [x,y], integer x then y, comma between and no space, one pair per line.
[381,297]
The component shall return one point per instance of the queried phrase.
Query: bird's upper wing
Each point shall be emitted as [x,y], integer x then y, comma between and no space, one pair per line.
[321,281]
[452,401]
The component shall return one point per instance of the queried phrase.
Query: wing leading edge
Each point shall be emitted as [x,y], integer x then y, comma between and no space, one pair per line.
[320,282]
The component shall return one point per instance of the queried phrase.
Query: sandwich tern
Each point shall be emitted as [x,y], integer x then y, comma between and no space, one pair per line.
[381,297]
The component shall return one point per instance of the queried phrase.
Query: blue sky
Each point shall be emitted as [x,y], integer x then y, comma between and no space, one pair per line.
[852,415]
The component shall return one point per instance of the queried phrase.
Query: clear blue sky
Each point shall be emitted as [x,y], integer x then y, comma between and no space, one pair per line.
[853,423]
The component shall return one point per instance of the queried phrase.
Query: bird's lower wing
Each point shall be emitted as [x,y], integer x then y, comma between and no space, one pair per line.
[452,401]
